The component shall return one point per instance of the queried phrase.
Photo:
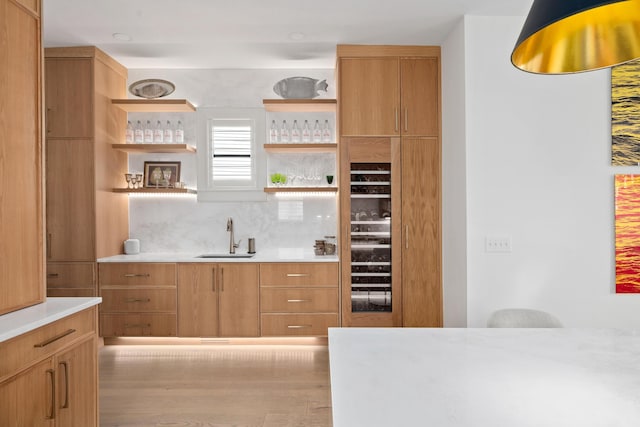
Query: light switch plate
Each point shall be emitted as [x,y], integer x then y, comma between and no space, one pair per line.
[497,244]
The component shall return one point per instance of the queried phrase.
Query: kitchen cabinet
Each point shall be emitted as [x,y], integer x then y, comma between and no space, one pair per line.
[49,375]
[138,299]
[69,279]
[389,97]
[21,151]
[389,90]
[218,300]
[299,299]
[85,219]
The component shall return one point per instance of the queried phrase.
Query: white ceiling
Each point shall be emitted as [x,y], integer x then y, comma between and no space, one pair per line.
[254,33]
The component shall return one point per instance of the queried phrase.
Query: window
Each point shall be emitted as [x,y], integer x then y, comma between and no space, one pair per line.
[230,156]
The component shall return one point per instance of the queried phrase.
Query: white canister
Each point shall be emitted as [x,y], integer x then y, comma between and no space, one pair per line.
[132,246]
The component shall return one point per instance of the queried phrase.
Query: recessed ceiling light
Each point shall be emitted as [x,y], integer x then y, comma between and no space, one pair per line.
[296,35]
[121,37]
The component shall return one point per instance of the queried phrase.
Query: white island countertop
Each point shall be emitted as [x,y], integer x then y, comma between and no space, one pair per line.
[484,377]
[30,318]
[270,255]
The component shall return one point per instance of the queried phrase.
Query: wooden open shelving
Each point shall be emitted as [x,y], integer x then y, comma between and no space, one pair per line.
[302,148]
[155,148]
[152,190]
[300,105]
[154,105]
[300,189]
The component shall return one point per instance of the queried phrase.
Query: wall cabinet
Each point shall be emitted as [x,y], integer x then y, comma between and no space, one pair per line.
[298,299]
[389,103]
[49,376]
[389,91]
[218,300]
[21,186]
[138,299]
[85,219]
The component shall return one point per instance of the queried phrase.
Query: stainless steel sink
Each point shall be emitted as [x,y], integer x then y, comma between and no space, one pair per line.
[225,256]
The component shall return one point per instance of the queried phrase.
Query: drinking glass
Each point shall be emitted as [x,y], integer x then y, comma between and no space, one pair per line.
[127,177]
[138,180]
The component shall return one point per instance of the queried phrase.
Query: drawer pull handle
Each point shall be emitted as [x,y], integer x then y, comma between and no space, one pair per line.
[52,275]
[54,339]
[52,376]
[138,300]
[137,275]
[298,326]
[298,274]
[137,325]
[298,300]
[66,385]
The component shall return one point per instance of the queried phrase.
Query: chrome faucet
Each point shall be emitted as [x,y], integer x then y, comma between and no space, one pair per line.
[232,244]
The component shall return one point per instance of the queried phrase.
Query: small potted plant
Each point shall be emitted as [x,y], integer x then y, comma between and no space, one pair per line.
[278,179]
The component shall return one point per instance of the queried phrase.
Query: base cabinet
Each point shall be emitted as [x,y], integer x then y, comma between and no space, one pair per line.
[218,300]
[49,377]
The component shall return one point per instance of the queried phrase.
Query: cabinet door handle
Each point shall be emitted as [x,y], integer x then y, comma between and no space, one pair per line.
[213,279]
[137,275]
[406,237]
[48,119]
[298,274]
[395,110]
[52,274]
[66,384]
[298,326]
[52,377]
[406,119]
[49,237]
[298,300]
[221,279]
[137,300]
[137,325]
[54,339]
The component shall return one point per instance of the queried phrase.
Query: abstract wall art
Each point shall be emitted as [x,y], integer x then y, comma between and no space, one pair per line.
[627,217]
[625,114]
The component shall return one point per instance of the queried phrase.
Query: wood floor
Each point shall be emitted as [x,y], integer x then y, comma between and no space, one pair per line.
[214,385]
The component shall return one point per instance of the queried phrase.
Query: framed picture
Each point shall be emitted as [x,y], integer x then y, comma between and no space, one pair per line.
[161,174]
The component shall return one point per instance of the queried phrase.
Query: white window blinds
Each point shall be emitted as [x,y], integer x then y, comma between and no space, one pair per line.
[232,153]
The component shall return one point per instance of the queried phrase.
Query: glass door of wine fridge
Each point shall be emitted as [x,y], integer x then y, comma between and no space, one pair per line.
[371,266]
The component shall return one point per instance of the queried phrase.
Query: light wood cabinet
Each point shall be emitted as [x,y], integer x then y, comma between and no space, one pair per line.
[21,183]
[218,300]
[66,279]
[138,299]
[49,376]
[376,83]
[389,90]
[298,299]
[85,219]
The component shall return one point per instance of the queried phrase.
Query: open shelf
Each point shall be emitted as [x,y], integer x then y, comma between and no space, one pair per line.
[300,105]
[300,189]
[305,147]
[154,105]
[155,190]
[155,148]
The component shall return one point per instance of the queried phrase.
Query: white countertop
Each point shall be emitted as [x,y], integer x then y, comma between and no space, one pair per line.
[275,255]
[484,377]
[30,318]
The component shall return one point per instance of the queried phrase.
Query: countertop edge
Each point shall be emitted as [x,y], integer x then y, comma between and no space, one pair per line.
[261,257]
[30,318]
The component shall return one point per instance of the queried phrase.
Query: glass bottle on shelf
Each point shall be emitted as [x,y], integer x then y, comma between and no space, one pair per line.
[317,132]
[168,133]
[295,132]
[129,137]
[138,133]
[306,132]
[148,133]
[326,132]
[158,133]
[179,134]
[284,132]
[273,132]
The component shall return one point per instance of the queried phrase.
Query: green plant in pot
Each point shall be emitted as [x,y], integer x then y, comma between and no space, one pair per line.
[278,179]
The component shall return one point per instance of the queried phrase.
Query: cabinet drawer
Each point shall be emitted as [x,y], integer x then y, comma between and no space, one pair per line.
[299,300]
[299,274]
[70,275]
[44,341]
[138,300]
[138,325]
[137,274]
[278,325]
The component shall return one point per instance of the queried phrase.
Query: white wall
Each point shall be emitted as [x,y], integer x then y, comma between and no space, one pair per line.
[454,175]
[538,170]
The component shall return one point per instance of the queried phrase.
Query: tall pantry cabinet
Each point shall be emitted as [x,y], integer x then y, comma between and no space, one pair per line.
[389,98]
[21,181]
[86,220]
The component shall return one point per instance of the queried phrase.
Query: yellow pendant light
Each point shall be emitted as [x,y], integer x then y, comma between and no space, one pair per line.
[570,36]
